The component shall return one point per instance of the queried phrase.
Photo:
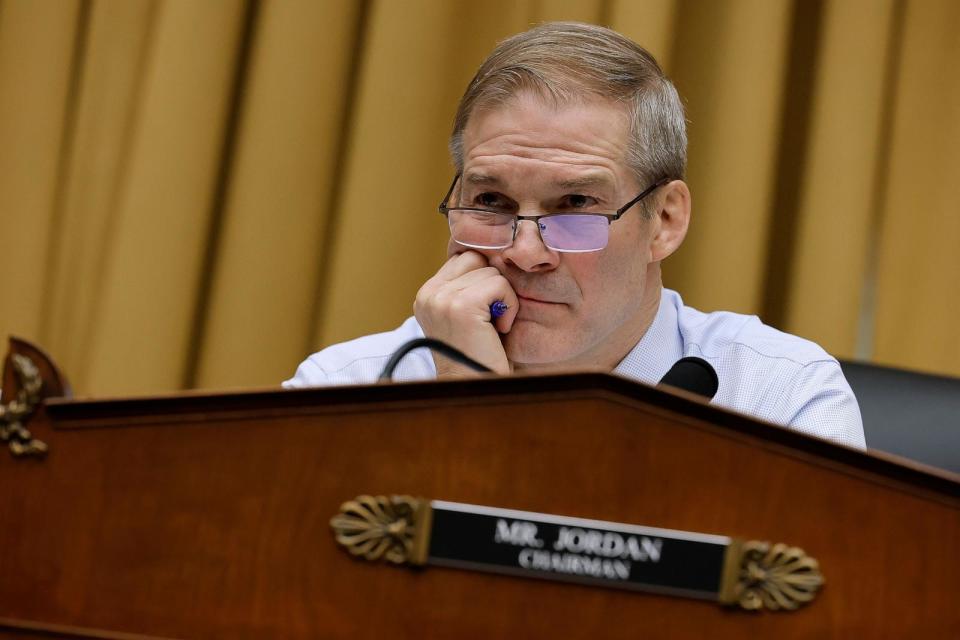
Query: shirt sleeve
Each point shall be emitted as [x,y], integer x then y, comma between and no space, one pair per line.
[823,405]
[309,374]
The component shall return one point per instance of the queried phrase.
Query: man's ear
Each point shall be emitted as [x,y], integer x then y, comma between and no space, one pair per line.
[672,218]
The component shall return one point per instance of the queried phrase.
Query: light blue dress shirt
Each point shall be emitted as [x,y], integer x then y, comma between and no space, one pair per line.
[763,372]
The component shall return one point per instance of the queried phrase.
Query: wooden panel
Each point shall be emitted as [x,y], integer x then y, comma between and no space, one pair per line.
[208,516]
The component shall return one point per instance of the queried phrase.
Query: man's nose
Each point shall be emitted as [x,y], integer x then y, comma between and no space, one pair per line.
[528,252]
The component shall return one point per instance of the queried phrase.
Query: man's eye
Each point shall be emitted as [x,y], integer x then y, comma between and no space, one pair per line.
[492,201]
[577,201]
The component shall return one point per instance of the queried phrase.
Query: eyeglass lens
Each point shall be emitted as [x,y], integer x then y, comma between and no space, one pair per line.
[567,232]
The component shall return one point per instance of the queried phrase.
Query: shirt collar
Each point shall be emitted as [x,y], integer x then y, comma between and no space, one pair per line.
[659,348]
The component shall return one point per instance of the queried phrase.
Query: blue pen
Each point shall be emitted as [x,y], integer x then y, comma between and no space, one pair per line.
[497,309]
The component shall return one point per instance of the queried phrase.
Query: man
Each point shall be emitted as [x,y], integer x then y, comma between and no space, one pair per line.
[570,151]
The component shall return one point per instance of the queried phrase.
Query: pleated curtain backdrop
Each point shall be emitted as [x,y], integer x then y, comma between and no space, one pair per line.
[198,194]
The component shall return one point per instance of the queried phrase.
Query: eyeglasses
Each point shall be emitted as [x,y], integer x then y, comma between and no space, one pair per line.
[568,232]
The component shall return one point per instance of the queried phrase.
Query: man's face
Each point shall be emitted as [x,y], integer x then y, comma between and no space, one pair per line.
[576,309]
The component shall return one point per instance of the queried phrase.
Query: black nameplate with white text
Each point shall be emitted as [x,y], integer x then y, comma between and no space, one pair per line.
[746,573]
[574,549]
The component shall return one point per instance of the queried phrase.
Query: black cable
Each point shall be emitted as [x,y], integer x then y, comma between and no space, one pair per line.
[434,345]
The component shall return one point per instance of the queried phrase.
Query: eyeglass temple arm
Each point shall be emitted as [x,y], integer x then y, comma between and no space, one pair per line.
[643,194]
[446,199]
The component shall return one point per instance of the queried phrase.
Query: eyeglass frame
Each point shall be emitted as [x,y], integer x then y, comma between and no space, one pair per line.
[444,210]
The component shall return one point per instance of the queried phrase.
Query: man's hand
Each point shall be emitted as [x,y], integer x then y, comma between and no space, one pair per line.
[454,306]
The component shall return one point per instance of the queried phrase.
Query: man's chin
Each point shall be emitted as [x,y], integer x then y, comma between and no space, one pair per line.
[530,348]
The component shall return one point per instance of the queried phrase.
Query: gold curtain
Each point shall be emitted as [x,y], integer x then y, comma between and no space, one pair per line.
[198,194]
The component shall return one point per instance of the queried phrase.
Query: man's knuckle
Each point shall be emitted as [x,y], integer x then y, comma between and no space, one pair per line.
[457,305]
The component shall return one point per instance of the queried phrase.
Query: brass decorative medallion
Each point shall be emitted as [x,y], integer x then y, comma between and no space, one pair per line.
[378,527]
[772,576]
[15,413]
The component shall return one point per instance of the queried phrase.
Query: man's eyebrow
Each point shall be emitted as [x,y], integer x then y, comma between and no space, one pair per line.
[590,180]
[481,178]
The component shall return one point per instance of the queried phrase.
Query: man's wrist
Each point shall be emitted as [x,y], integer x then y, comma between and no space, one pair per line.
[448,369]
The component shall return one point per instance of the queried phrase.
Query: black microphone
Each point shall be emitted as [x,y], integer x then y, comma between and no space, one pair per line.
[694,375]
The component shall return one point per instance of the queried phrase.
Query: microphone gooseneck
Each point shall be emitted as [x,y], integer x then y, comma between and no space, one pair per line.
[434,345]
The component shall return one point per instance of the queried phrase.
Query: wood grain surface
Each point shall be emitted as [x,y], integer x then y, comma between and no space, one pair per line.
[207,516]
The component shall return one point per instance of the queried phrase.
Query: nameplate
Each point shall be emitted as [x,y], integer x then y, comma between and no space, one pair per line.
[576,550]
[749,574]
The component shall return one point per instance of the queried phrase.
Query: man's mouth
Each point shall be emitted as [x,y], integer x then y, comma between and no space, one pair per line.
[532,300]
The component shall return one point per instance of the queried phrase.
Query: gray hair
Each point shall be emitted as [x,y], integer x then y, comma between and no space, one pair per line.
[569,61]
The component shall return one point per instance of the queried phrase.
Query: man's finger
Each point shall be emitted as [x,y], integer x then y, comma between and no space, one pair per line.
[504,323]
[461,264]
[471,278]
[492,290]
